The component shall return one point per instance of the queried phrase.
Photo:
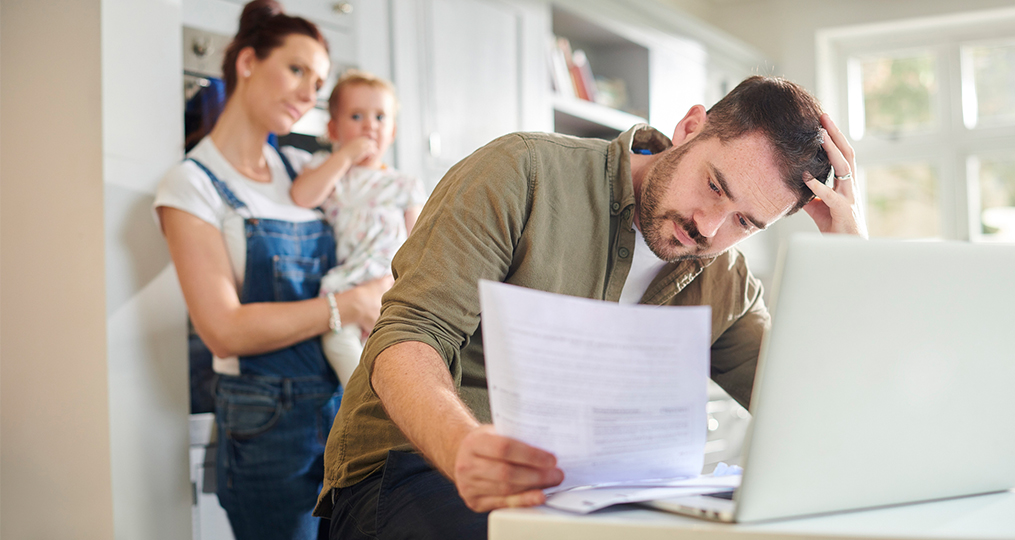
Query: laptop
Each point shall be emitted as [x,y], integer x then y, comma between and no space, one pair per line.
[886,378]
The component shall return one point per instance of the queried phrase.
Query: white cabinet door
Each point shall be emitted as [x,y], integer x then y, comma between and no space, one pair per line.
[458,71]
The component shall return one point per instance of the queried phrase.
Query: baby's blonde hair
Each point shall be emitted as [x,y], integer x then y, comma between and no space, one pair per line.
[354,77]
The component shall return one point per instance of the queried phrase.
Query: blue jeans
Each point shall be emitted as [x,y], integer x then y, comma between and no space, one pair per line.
[270,458]
[405,499]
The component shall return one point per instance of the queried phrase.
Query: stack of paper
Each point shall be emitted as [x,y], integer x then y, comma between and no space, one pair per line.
[616,392]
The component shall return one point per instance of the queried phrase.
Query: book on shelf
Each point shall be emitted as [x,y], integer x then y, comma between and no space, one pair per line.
[583,73]
[559,70]
[572,75]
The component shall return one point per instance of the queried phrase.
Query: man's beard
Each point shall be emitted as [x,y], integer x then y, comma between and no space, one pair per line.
[656,227]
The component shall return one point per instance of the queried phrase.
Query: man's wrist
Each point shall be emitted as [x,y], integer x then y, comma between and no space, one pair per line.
[457,438]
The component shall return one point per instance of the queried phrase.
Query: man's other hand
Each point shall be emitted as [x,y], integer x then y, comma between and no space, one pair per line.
[493,471]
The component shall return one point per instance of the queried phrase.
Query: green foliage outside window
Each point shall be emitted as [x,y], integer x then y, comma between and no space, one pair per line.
[899,94]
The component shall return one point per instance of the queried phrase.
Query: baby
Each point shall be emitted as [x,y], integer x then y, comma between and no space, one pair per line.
[371,207]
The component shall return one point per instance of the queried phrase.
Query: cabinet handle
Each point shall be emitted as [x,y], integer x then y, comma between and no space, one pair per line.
[341,8]
[201,46]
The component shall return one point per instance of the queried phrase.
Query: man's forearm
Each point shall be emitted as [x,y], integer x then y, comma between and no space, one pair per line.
[417,392]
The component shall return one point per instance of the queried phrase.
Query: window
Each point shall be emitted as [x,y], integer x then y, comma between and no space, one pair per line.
[929,106]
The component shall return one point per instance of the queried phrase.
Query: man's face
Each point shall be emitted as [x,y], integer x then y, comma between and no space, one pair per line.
[701,198]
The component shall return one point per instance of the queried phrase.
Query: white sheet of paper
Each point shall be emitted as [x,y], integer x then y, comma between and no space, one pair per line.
[584,500]
[616,392]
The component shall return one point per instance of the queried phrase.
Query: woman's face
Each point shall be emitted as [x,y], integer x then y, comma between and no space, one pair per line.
[279,90]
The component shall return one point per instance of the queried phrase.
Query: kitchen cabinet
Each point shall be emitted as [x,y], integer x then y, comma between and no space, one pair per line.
[209,519]
[334,14]
[462,71]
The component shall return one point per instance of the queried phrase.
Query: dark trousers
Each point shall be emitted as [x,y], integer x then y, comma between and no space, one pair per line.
[405,499]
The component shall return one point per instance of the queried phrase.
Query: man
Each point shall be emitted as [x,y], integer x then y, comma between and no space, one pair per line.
[412,452]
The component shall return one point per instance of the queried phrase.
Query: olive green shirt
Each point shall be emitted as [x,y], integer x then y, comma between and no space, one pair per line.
[544,211]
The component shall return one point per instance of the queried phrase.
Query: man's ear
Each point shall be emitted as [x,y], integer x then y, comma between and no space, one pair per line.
[692,124]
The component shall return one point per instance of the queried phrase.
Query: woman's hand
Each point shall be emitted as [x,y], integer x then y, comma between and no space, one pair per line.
[836,210]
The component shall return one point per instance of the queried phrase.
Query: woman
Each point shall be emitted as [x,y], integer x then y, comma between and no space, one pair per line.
[249,263]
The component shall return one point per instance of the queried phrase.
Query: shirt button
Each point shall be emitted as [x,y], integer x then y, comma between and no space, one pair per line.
[623,252]
[615,206]
[627,214]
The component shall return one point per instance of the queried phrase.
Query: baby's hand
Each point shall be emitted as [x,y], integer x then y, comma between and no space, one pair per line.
[359,150]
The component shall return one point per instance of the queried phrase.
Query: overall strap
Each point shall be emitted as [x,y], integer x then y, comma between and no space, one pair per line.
[288,166]
[220,186]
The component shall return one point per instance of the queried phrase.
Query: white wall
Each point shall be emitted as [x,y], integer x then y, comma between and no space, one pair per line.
[784,29]
[142,104]
[94,392]
[55,453]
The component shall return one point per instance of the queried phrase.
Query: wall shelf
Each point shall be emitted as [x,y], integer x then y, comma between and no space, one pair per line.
[579,117]
[611,55]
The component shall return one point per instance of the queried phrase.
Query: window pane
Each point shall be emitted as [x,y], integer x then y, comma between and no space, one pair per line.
[902,200]
[988,73]
[899,94]
[997,198]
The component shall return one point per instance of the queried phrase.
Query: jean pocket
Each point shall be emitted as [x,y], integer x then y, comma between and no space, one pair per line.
[249,415]
[297,278]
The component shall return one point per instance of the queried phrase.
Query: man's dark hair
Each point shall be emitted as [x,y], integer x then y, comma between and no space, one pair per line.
[788,116]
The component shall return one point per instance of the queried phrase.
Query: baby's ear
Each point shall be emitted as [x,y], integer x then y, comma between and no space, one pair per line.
[332,130]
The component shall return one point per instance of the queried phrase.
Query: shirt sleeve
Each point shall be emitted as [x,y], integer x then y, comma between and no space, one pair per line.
[185,187]
[297,157]
[467,232]
[735,352]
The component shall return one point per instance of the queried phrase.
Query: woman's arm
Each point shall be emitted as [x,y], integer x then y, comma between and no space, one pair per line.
[230,328]
[312,186]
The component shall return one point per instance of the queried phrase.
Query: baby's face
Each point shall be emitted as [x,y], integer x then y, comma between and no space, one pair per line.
[364,111]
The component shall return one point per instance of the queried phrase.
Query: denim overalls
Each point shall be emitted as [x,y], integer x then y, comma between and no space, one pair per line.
[274,418]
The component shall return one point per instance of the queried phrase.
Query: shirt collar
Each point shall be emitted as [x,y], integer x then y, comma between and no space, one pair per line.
[640,137]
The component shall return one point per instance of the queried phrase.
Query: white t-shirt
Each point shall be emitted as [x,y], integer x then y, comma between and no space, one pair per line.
[645,266]
[186,187]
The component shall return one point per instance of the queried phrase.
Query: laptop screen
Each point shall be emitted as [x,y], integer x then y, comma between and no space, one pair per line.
[883,377]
